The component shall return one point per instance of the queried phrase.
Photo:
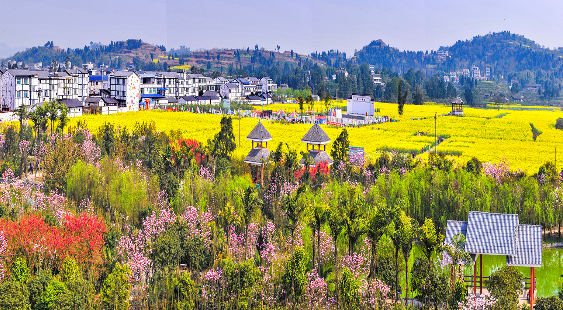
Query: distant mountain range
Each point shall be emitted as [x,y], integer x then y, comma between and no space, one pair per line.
[507,55]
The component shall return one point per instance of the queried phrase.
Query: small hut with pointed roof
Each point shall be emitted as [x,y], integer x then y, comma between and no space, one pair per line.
[258,155]
[457,106]
[316,136]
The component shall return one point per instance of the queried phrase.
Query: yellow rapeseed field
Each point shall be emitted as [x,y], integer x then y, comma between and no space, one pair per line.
[488,134]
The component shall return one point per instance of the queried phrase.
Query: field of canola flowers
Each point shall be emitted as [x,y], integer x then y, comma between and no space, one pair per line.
[490,135]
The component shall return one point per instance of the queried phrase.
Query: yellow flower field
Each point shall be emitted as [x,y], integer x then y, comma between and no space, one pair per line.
[481,132]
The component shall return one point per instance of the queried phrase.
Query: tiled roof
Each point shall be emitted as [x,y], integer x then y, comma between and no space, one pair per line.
[318,157]
[457,100]
[491,233]
[316,135]
[453,228]
[123,73]
[257,156]
[189,98]
[259,133]
[71,103]
[528,247]
[93,99]
[110,100]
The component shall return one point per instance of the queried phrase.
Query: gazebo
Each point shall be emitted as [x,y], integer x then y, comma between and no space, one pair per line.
[499,234]
[259,154]
[457,106]
[316,136]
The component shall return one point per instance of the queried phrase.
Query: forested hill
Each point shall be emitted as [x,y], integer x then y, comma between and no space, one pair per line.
[504,52]
[117,54]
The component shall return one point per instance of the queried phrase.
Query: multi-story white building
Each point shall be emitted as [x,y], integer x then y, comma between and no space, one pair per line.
[80,83]
[125,87]
[231,91]
[19,87]
[269,84]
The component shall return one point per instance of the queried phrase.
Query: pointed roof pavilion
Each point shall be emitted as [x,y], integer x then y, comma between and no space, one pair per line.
[259,133]
[316,136]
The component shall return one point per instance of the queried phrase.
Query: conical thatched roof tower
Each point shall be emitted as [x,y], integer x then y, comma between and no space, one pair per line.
[258,155]
[316,136]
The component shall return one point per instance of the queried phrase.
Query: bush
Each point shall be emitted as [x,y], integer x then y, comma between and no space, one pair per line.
[431,286]
[505,285]
[115,291]
[19,271]
[294,280]
[14,296]
[549,303]
[348,290]
[559,123]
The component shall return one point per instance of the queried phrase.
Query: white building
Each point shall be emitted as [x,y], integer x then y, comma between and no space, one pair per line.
[361,105]
[269,84]
[125,87]
[19,87]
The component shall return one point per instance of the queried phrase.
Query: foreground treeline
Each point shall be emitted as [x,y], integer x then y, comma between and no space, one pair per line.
[136,218]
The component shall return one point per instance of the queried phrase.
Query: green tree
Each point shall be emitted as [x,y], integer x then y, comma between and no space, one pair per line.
[402,97]
[223,144]
[300,101]
[293,209]
[349,290]
[310,102]
[327,102]
[379,219]
[23,115]
[353,205]
[115,290]
[430,239]
[318,218]
[294,279]
[341,148]
[336,223]
[431,286]
[505,284]
[19,271]
[402,238]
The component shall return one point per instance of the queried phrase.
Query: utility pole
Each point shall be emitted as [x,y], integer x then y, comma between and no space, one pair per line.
[435,133]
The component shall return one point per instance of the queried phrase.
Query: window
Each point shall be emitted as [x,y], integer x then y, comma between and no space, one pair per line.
[25,94]
[18,81]
[18,94]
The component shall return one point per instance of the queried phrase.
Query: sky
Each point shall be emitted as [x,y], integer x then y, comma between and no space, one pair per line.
[304,26]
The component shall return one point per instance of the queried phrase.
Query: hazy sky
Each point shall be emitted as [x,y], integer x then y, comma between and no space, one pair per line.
[304,26]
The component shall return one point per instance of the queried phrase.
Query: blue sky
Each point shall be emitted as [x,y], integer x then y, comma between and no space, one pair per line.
[304,26]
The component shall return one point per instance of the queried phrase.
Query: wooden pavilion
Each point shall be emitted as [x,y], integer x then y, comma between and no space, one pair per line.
[457,106]
[499,234]
[316,137]
[258,155]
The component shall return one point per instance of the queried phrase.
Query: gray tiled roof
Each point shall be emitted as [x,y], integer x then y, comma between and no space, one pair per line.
[491,233]
[457,100]
[257,156]
[189,98]
[71,103]
[93,99]
[123,73]
[259,133]
[210,93]
[316,135]
[453,228]
[110,100]
[318,157]
[172,99]
[528,247]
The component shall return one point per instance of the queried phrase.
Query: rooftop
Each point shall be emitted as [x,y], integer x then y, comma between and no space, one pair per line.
[316,135]
[257,156]
[259,133]
[318,157]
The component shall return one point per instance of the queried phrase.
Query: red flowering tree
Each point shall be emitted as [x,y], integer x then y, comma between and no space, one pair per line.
[80,237]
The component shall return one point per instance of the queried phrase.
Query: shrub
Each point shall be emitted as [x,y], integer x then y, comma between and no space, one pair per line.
[505,284]
[559,123]
[19,271]
[115,291]
[348,290]
[14,296]
[294,280]
[549,303]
